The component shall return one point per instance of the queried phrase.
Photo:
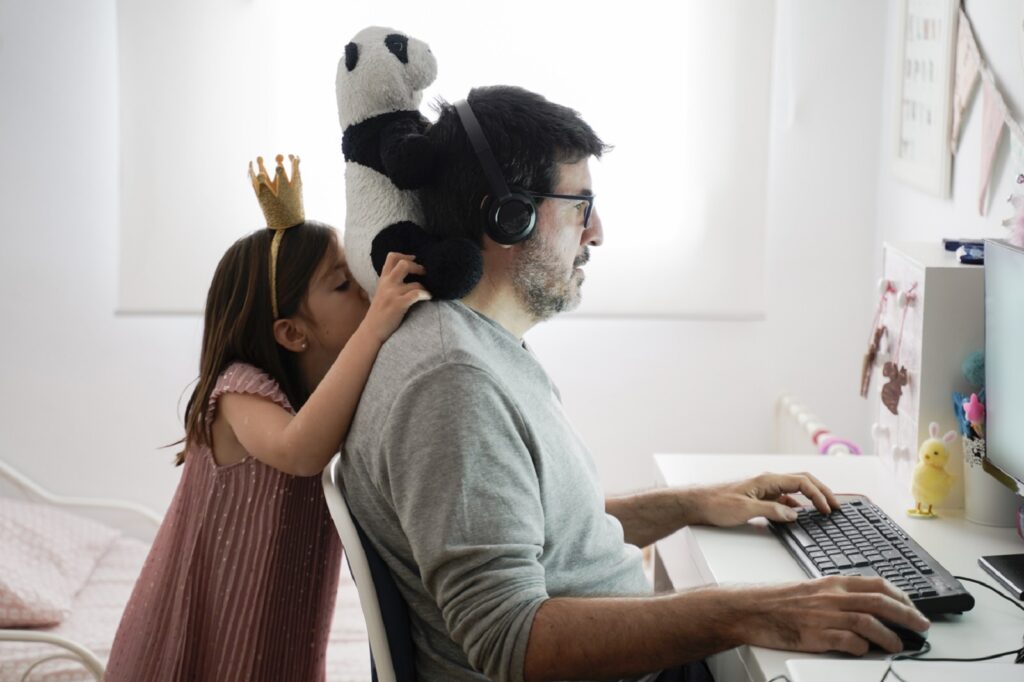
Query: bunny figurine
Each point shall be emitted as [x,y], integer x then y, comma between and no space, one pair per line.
[931,482]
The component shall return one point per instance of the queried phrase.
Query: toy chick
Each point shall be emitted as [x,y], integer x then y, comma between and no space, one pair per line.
[931,482]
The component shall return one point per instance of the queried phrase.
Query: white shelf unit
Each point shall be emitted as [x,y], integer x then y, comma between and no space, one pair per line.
[945,322]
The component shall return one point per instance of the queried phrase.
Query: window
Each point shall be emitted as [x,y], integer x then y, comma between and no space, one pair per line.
[681,90]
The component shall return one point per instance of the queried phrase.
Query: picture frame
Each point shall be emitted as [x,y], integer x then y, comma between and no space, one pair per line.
[922,154]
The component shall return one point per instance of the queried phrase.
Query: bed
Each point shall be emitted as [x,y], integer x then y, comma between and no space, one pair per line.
[77,647]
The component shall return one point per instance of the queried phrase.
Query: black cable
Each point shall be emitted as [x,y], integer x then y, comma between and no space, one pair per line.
[779,677]
[916,656]
[927,647]
[1013,601]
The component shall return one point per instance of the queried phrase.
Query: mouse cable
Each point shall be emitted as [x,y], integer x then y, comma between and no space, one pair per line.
[1012,600]
[1008,598]
[916,656]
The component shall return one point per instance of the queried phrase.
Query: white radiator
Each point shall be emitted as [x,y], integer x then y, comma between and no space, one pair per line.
[798,431]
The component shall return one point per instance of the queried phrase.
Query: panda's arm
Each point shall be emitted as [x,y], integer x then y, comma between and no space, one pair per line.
[407,154]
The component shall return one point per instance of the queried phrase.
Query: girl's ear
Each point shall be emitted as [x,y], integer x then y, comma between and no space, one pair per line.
[290,334]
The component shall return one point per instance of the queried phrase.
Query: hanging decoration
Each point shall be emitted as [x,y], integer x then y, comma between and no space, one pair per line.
[897,374]
[1015,223]
[993,120]
[970,67]
[967,63]
[875,342]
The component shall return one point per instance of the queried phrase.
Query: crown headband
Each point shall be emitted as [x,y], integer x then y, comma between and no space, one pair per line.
[281,202]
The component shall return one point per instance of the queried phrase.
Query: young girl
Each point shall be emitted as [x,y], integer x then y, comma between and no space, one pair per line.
[241,579]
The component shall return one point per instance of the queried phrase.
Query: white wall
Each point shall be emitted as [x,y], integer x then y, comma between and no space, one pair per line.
[906,214]
[88,397]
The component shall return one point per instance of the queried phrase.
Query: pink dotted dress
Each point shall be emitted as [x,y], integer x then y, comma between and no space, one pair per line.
[241,579]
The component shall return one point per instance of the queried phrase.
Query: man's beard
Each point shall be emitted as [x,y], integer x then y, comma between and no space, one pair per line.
[541,281]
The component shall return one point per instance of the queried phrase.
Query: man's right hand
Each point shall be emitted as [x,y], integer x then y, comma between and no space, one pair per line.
[836,613]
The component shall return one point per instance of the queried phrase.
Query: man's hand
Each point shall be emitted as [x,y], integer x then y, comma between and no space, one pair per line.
[837,613]
[768,495]
[610,638]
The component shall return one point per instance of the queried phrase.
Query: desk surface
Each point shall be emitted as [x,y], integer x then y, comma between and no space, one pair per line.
[751,554]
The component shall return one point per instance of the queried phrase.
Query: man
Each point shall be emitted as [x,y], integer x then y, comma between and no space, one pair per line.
[483,500]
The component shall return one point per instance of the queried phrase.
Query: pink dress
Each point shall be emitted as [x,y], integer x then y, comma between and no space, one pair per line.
[241,579]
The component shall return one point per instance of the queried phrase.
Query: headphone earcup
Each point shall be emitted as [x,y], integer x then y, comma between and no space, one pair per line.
[510,219]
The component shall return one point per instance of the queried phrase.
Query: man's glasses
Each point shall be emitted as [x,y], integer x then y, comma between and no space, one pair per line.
[587,198]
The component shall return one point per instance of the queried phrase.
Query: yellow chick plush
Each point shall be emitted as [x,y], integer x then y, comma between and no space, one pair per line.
[931,482]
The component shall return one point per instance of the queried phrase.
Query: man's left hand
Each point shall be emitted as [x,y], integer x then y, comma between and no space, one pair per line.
[768,495]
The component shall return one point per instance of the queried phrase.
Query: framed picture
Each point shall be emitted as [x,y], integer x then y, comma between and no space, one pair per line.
[927,50]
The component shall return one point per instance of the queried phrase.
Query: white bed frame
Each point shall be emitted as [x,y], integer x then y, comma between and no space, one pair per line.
[134,519]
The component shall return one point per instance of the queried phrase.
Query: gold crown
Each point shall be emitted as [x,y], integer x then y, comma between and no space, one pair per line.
[281,201]
[280,198]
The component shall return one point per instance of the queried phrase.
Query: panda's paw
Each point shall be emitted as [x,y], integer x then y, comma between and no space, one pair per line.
[409,161]
[454,266]
[405,237]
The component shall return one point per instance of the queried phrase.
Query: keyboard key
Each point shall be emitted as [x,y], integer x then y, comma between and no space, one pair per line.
[840,560]
[858,560]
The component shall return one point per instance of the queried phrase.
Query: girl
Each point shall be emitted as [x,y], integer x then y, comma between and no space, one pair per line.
[241,579]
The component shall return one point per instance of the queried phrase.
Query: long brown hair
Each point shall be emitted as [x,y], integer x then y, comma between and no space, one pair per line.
[238,322]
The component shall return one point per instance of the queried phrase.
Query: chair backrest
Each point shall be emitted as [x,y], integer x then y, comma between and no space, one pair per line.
[384,608]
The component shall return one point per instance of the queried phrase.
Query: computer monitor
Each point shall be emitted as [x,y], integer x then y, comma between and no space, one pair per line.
[1004,363]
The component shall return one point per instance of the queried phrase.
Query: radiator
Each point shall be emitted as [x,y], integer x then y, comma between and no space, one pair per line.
[798,431]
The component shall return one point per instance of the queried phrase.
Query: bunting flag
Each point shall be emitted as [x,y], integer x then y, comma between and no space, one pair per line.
[970,68]
[967,63]
[993,120]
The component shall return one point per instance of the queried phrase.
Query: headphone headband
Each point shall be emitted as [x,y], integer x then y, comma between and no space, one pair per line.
[509,217]
[483,149]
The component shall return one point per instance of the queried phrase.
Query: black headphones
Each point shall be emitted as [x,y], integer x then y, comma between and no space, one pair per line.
[509,215]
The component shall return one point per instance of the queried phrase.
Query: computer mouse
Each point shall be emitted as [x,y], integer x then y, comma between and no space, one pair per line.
[912,639]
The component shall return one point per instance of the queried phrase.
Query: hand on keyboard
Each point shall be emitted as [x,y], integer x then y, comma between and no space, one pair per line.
[837,613]
[768,495]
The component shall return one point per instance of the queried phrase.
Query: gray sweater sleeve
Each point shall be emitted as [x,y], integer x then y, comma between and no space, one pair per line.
[465,488]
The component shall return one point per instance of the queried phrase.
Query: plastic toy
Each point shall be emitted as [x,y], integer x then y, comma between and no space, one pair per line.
[931,482]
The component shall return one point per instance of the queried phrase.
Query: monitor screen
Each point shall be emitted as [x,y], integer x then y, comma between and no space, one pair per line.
[1004,360]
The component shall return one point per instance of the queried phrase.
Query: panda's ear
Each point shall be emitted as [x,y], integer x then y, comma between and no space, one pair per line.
[351,56]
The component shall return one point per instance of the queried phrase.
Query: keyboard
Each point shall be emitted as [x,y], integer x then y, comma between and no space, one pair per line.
[861,539]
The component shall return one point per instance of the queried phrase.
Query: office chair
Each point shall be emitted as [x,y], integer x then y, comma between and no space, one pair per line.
[384,608]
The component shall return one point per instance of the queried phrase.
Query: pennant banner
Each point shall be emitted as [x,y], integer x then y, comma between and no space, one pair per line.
[967,63]
[993,120]
[970,68]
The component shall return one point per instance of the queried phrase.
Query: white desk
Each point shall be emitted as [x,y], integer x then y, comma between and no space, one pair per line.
[751,554]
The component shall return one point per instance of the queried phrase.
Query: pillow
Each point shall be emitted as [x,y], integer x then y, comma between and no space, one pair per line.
[46,556]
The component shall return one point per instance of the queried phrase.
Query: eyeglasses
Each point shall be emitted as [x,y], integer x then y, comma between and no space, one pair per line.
[588,198]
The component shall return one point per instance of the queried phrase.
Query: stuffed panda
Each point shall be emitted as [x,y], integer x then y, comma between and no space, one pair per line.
[379,86]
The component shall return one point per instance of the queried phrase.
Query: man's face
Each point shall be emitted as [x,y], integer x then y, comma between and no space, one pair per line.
[548,270]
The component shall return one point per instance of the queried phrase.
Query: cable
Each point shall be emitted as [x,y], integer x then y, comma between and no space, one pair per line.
[996,590]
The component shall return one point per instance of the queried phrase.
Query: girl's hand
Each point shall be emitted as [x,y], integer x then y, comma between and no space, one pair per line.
[394,296]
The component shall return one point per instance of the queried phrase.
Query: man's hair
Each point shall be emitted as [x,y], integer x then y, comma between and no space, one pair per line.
[529,137]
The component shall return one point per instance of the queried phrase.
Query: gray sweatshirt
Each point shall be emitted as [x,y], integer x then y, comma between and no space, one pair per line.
[482,499]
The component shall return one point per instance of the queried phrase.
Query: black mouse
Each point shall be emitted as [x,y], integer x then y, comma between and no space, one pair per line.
[912,639]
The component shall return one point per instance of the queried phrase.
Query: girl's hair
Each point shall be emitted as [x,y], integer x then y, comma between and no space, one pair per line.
[238,323]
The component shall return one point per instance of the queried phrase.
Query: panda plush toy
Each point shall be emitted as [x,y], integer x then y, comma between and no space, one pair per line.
[379,86]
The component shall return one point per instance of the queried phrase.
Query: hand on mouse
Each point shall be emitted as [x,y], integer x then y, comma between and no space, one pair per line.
[837,613]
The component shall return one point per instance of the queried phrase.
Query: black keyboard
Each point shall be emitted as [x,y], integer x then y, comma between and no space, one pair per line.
[861,539]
